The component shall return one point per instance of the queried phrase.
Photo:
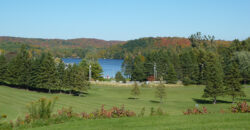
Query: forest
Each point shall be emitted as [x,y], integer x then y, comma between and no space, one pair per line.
[46,73]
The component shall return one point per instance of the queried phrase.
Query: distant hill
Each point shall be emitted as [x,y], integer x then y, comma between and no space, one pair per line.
[71,43]
[89,47]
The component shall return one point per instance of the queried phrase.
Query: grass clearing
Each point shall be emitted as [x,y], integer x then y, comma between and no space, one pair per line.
[13,103]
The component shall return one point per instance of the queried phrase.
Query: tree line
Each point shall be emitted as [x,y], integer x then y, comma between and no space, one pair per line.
[221,67]
[46,73]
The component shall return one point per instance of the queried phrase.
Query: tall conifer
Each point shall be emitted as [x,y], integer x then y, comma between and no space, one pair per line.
[232,81]
[213,77]
[171,75]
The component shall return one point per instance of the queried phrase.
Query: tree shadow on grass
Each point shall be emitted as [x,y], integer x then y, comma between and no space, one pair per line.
[204,101]
[153,101]
[133,98]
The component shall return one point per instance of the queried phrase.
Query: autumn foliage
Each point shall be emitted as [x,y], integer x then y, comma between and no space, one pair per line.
[196,111]
[241,107]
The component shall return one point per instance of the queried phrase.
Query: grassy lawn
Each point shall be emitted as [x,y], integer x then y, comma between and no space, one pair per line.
[13,102]
[211,121]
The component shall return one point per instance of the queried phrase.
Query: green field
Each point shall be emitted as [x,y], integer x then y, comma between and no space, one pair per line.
[211,121]
[13,102]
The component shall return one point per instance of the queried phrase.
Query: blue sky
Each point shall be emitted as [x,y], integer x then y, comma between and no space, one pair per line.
[124,19]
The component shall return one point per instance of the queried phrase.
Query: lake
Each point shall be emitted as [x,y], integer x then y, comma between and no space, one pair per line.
[109,66]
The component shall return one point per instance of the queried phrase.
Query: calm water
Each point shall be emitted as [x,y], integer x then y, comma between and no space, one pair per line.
[110,66]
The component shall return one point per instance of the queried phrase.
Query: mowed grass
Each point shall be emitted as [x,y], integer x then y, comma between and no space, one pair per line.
[13,101]
[227,121]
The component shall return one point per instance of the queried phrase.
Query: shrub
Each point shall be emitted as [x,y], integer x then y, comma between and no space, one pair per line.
[19,122]
[187,81]
[2,117]
[241,107]
[115,112]
[65,112]
[136,90]
[41,109]
[36,116]
[3,124]
[161,92]
[142,112]
[151,78]
[195,111]
[119,77]
[152,111]
[158,112]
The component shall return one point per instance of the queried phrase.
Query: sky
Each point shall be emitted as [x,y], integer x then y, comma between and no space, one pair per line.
[124,19]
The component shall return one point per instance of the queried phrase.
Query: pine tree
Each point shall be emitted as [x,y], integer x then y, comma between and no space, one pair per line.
[161,92]
[171,75]
[138,73]
[78,80]
[19,68]
[96,71]
[213,77]
[187,66]
[60,74]
[3,68]
[85,66]
[47,73]
[135,91]
[68,78]
[119,77]
[232,81]
[197,66]
[33,79]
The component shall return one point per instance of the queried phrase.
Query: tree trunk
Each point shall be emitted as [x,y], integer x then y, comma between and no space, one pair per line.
[214,100]
[49,91]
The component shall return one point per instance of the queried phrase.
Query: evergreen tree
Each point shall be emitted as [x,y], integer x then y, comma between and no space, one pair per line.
[135,91]
[60,74]
[68,78]
[3,68]
[243,59]
[187,81]
[171,75]
[47,77]
[189,70]
[78,82]
[232,81]
[127,65]
[213,76]
[33,79]
[197,74]
[161,92]
[96,71]
[85,66]
[19,68]
[119,77]
[138,73]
